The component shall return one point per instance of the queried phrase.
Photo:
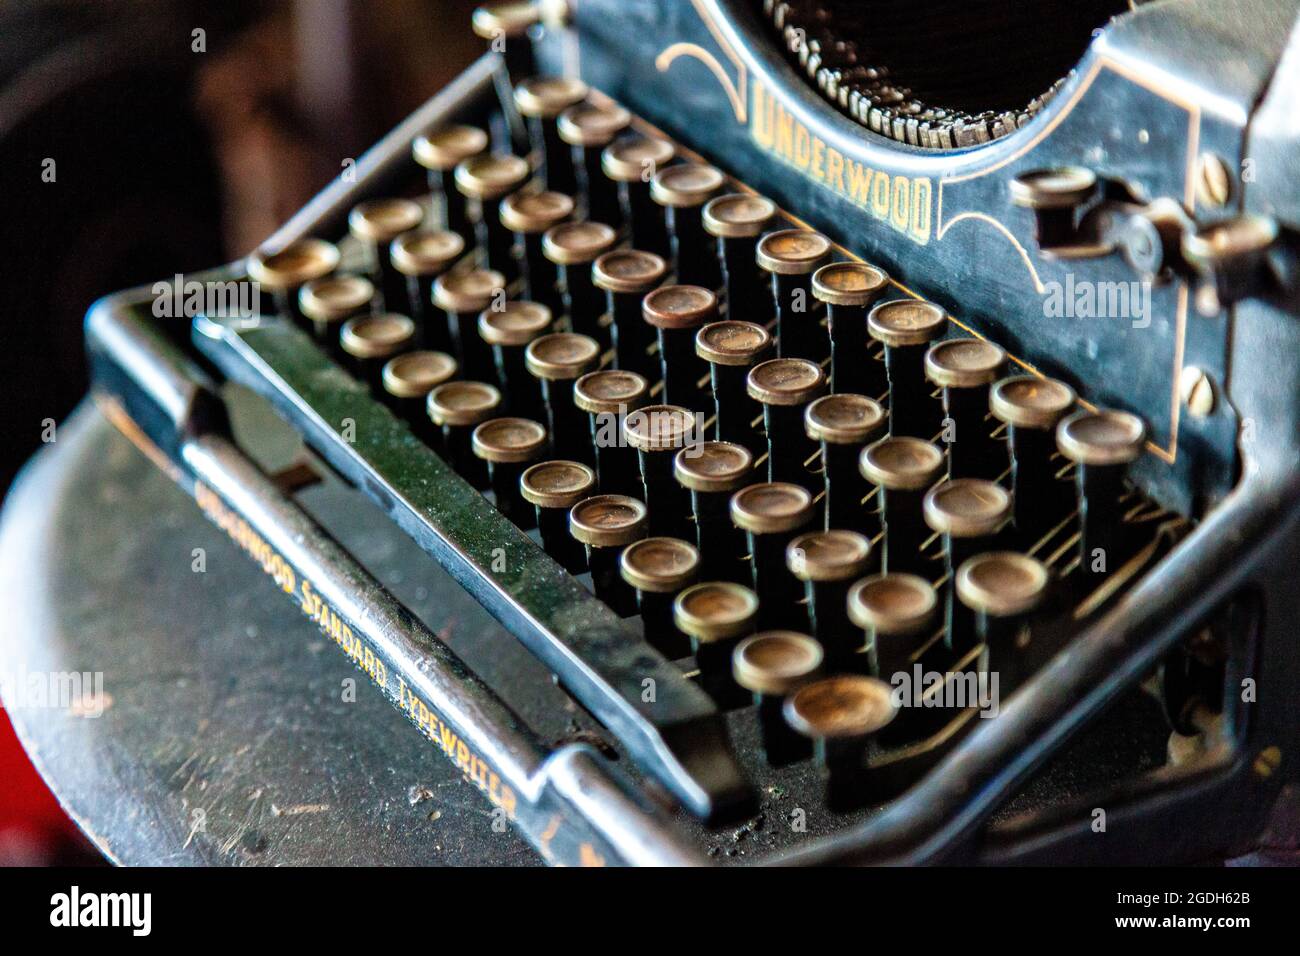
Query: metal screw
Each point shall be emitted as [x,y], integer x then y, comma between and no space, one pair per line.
[1213,183]
[1197,391]
[1269,759]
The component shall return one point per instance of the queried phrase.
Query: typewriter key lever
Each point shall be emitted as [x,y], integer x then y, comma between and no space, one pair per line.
[791,256]
[541,100]
[329,302]
[606,524]
[287,270]
[509,446]
[421,256]
[842,716]
[897,614]
[737,220]
[1057,198]
[552,488]
[1003,589]
[528,216]
[716,616]
[659,568]
[588,129]
[509,331]
[772,665]
[440,151]
[1101,444]
[375,224]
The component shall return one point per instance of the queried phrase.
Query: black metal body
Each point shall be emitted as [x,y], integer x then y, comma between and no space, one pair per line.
[706,72]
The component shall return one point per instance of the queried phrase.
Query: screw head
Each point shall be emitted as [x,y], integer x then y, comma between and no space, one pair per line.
[1213,182]
[1197,391]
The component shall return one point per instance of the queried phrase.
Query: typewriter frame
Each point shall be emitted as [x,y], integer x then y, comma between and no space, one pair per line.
[575,806]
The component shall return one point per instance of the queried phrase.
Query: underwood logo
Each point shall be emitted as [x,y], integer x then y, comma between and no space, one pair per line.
[103,909]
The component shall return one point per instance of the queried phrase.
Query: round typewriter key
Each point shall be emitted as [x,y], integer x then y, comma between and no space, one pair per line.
[784,387]
[771,514]
[632,163]
[897,614]
[737,220]
[627,275]
[408,380]
[842,716]
[607,397]
[791,256]
[716,616]
[1053,195]
[712,471]
[541,100]
[732,348]
[554,487]
[659,568]
[906,327]
[422,256]
[969,513]
[509,446]
[487,179]
[573,247]
[528,216]
[508,331]
[849,289]
[606,524]
[658,432]
[1101,444]
[588,129]
[329,302]
[773,665]
[1031,407]
[374,224]
[506,27]
[440,151]
[964,369]
[842,424]
[287,270]
[462,296]
[828,562]
[676,312]
[371,340]
[682,191]
[902,468]
[1003,589]
[456,407]
[557,361]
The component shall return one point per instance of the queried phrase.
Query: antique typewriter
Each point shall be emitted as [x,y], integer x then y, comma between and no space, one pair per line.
[879,420]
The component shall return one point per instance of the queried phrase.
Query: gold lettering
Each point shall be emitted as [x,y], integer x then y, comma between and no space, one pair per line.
[902,195]
[802,146]
[880,195]
[859,183]
[785,134]
[920,225]
[835,169]
[902,201]
[763,119]
[331,624]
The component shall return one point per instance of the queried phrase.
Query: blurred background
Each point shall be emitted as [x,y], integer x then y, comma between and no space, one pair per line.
[142,138]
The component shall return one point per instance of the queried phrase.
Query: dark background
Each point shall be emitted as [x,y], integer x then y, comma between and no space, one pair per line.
[168,159]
